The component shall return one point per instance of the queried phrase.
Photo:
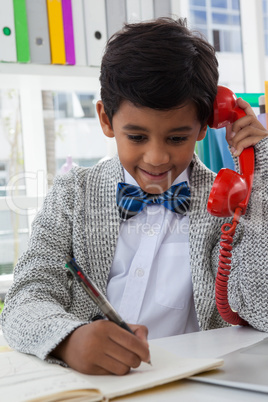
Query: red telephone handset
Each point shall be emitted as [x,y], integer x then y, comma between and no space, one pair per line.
[229,196]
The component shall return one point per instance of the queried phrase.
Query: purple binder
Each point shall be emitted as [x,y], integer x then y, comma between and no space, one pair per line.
[68,31]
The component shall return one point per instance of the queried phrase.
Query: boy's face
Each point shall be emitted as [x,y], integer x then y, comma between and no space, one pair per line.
[153,146]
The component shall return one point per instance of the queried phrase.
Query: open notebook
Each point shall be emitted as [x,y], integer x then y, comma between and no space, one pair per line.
[246,368]
[26,378]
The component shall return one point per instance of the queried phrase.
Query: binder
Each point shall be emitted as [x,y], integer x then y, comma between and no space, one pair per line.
[56,31]
[38,31]
[147,10]
[79,32]
[21,31]
[7,32]
[162,8]
[115,16]
[133,11]
[68,31]
[96,33]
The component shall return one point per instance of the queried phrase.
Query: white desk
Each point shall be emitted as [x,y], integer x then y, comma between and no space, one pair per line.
[213,343]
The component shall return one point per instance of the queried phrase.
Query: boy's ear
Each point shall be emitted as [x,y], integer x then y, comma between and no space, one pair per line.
[202,133]
[104,121]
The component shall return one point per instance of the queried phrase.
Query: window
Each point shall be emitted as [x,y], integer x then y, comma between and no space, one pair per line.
[71,130]
[73,134]
[265,24]
[219,20]
[14,231]
[47,117]
[201,3]
[74,105]
[199,17]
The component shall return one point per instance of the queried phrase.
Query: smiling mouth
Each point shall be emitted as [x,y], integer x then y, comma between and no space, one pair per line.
[156,175]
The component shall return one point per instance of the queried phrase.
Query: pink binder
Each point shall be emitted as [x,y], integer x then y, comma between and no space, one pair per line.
[68,31]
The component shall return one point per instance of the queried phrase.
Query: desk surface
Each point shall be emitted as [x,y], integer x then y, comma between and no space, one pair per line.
[212,343]
[205,344]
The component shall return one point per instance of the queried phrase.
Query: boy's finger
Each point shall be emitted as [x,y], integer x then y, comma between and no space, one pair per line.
[121,356]
[229,133]
[130,342]
[245,143]
[116,360]
[140,331]
[246,107]
[250,133]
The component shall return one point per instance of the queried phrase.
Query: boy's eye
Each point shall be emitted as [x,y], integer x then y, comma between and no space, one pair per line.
[136,138]
[177,140]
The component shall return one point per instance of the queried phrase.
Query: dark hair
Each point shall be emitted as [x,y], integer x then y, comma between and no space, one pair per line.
[159,64]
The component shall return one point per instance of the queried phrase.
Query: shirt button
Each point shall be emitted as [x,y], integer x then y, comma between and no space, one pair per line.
[151,232]
[139,272]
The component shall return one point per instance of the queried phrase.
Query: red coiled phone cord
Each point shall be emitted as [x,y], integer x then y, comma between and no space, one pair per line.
[224,269]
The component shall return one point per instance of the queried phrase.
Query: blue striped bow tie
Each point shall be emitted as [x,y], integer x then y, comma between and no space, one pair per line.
[132,199]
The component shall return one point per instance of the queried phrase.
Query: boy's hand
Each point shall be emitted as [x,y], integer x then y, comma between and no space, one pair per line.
[244,132]
[103,347]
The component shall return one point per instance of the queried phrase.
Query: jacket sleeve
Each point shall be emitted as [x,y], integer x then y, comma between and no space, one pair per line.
[35,318]
[248,284]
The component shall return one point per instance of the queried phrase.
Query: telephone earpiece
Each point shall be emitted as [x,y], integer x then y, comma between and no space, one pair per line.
[230,189]
[229,196]
[225,109]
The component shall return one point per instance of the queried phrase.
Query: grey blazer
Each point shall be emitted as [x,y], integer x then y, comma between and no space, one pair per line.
[80,217]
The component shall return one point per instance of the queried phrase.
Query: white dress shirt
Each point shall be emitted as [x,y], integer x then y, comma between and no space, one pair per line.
[150,280]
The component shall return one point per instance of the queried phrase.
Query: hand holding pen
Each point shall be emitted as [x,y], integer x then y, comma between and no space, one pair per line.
[136,349]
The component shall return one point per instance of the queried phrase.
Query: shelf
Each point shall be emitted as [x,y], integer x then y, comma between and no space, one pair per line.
[49,69]
[49,77]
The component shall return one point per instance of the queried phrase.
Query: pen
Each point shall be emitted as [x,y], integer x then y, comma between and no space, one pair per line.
[96,295]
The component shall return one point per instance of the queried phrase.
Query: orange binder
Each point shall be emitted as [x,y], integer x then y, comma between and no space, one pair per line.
[56,32]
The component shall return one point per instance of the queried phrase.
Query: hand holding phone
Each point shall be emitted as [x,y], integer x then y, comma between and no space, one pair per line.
[230,190]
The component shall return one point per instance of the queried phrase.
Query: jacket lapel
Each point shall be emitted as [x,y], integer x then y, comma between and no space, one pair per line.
[102,218]
[204,233]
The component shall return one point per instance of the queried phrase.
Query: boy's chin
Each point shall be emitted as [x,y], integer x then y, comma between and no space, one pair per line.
[154,189]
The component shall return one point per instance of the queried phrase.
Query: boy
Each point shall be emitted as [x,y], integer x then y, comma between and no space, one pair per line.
[158,267]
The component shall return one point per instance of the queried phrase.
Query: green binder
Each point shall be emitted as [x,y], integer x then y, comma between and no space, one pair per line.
[21,31]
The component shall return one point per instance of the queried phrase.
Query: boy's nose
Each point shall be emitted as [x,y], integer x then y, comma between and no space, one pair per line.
[156,156]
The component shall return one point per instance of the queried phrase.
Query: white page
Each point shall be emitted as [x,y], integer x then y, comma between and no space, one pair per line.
[24,377]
